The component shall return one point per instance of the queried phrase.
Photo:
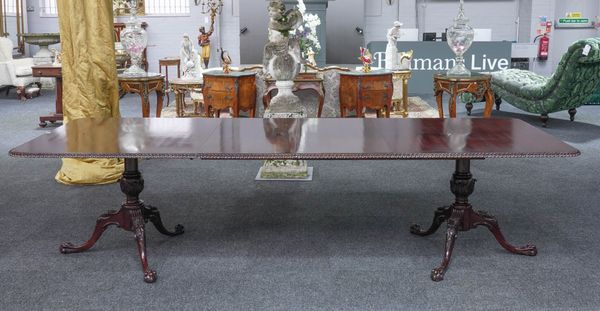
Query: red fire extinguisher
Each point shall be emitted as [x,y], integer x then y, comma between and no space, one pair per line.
[544,47]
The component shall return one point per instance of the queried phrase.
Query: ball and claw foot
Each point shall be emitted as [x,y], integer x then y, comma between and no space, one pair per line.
[528,250]
[179,230]
[67,248]
[150,276]
[437,274]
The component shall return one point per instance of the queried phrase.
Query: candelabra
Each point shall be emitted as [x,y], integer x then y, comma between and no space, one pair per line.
[210,6]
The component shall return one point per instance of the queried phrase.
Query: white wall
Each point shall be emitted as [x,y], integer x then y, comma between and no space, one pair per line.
[563,38]
[165,33]
[499,15]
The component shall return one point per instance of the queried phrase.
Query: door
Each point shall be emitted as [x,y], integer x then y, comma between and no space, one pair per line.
[345,23]
[254,21]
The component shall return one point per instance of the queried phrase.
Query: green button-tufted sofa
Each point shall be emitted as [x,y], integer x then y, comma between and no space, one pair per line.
[573,84]
[595,100]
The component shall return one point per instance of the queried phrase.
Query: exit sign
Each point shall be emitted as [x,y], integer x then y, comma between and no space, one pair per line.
[574,23]
[574,20]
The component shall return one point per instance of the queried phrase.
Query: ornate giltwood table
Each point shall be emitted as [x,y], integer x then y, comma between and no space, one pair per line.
[304,81]
[401,76]
[51,71]
[459,140]
[180,87]
[143,85]
[478,84]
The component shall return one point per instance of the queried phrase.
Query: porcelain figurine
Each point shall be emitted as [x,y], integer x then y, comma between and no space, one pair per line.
[392,60]
[190,61]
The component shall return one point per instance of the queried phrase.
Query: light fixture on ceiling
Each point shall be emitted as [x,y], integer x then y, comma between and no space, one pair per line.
[390,2]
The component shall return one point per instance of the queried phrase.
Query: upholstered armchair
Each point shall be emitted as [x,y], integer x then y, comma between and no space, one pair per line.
[574,83]
[16,72]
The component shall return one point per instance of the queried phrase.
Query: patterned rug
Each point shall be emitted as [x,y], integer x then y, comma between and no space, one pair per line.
[417,108]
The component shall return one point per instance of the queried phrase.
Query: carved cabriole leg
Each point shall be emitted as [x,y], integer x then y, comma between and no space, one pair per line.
[452,102]
[437,274]
[572,113]
[462,186]
[489,102]
[498,101]
[131,217]
[462,217]
[145,100]
[159,101]
[21,94]
[469,107]
[151,214]
[544,117]
[441,215]
[439,99]
[39,86]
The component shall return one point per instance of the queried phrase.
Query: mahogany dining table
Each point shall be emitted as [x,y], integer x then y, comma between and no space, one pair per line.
[460,140]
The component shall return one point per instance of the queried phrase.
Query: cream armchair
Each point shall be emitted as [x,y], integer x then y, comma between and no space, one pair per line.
[16,72]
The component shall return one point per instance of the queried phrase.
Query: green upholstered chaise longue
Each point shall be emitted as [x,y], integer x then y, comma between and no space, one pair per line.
[573,84]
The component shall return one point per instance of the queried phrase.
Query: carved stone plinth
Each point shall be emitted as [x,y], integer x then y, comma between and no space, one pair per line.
[285,105]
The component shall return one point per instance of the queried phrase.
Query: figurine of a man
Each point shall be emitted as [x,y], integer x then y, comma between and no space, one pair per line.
[392,60]
[204,42]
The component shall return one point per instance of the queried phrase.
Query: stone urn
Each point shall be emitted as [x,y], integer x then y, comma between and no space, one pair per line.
[282,62]
[44,55]
[43,40]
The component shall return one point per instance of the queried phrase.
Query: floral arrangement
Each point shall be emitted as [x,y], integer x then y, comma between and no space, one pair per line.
[307,32]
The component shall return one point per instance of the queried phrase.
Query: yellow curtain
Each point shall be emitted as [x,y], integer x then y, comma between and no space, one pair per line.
[90,84]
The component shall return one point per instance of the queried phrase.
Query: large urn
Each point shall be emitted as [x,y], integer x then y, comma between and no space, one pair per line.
[135,41]
[460,38]
[43,40]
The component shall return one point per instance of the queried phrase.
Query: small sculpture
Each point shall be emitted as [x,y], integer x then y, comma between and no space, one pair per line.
[366,58]
[189,58]
[225,61]
[57,57]
[311,57]
[392,61]
[204,42]
[282,57]
[282,20]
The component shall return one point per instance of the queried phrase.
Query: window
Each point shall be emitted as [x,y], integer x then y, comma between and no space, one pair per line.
[48,8]
[152,7]
[10,8]
[167,7]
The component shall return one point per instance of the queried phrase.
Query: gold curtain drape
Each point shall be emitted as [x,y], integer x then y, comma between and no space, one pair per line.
[90,84]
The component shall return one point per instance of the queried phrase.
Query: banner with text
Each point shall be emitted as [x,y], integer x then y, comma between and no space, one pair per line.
[430,58]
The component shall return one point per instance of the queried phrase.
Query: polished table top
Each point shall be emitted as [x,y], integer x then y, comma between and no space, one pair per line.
[295,139]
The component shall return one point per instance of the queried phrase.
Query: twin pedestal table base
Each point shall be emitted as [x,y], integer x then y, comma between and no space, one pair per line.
[459,216]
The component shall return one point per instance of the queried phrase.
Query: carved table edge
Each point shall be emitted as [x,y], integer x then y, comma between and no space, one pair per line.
[305,156]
